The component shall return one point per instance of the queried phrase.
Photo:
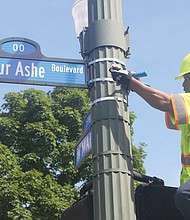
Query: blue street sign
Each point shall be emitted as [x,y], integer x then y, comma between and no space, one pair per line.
[83,148]
[87,122]
[18,47]
[21,61]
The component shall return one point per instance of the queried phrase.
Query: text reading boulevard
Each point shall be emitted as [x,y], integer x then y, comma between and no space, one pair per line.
[37,69]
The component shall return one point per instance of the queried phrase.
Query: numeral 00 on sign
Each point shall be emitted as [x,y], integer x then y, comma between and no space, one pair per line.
[18,47]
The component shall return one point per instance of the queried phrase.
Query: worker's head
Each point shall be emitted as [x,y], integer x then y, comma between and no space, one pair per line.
[185,67]
[186,83]
[185,73]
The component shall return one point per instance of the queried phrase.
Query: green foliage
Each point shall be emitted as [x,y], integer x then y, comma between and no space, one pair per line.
[138,152]
[30,194]
[38,134]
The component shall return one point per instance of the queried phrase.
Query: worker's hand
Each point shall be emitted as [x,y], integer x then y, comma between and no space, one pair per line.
[120,75]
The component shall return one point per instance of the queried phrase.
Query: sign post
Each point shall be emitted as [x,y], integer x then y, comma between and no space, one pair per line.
[103,42]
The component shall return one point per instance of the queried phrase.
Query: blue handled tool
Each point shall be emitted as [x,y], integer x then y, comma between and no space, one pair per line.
[138,75]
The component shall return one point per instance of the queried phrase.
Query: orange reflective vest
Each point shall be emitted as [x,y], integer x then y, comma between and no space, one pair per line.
[180,120]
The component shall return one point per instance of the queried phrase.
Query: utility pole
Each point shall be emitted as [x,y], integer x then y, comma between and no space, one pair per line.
[106,41]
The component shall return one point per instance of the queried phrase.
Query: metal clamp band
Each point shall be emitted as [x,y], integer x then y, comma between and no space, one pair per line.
[111,152]
[115,98]
[112,117]
[112,170]
[100,80]
[106,59]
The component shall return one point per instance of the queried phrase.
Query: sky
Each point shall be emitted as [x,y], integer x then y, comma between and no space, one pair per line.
[159,39]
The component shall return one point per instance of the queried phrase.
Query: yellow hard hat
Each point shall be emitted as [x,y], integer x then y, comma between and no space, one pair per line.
[185,67]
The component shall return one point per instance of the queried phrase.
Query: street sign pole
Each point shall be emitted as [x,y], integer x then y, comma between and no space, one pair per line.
[106,41]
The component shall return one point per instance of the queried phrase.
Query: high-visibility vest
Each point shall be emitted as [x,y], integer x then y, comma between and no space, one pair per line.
[180,120]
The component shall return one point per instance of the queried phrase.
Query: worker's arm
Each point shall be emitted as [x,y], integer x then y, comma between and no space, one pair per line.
[157,99]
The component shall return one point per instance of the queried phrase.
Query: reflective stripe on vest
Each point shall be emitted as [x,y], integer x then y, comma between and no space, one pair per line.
[180,112]
[169,123]
[185,160]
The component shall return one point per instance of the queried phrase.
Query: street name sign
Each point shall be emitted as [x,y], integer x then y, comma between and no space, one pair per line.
[21,61]
[83,148]
[87,122]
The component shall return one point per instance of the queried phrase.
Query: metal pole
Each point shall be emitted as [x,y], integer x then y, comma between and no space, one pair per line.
[106,41]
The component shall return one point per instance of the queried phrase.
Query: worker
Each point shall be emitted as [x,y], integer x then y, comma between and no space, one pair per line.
[177,116]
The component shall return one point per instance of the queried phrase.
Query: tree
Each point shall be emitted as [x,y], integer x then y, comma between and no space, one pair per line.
[38,132]
[30,194]
[139,153]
